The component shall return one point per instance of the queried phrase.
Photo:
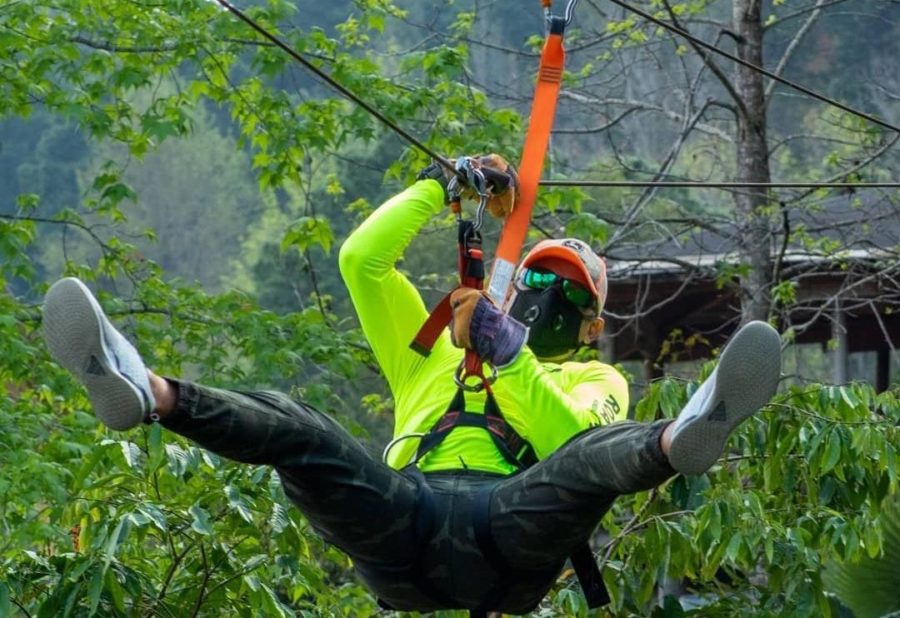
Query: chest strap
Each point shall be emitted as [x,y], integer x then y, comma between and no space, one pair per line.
[514,449]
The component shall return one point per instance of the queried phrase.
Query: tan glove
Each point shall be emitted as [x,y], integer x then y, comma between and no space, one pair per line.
[463,302]
[502,184]
[477,324]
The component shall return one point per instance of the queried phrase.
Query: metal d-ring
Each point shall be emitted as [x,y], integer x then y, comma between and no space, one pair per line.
[460,379]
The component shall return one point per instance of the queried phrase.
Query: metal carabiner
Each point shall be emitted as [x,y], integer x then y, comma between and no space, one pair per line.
[570,11]
[568,16]
[476,181]
[479,212]
[484,381]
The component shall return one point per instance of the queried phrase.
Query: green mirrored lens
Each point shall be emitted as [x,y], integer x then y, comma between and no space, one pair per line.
[574,292]
[538,280]
[577,294]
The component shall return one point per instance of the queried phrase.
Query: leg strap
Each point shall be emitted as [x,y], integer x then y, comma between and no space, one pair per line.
[482,523]
[424,522]
[582,559]
[589,576]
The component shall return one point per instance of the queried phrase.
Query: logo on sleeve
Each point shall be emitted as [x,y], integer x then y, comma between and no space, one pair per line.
[611,409]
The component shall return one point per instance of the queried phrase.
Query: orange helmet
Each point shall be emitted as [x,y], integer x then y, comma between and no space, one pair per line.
[572,259]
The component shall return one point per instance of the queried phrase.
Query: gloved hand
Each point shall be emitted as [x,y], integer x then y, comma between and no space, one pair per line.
[438,172]
[502,184]
[501,178]
[477,324]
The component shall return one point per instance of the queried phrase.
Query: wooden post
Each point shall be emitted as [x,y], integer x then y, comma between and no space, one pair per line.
[840,354]
[883,369]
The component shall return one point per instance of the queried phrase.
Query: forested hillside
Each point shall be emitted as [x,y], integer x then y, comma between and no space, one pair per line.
[202,182]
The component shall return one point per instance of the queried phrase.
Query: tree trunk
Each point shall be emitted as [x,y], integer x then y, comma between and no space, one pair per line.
[752,164]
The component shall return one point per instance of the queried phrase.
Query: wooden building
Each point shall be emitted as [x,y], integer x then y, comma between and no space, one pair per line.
[677,299]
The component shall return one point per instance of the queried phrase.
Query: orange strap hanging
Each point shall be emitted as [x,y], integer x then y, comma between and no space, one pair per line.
[537,138]
[543,109]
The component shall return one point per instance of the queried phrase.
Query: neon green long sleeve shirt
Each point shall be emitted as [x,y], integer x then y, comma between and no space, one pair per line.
[546,403]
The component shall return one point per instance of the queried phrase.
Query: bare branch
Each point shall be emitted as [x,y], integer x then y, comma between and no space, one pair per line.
[792,46]
[792,138]
[894,96]
[207,574]
[604,127]
[708,61]
[844,173]
[802,12]
[667,163]
[649,107]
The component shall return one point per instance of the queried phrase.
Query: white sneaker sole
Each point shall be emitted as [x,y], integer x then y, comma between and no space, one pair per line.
[75,330]
[744,381]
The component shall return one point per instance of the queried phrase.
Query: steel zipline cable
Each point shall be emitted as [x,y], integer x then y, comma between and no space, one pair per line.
[334,83]
[586,183]
[702,184]
[687,35]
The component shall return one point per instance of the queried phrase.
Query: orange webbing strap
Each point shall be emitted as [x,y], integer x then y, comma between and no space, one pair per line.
[543,108]
[433,327]
[471,275]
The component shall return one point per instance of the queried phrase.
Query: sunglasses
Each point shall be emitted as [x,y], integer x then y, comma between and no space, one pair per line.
[574,292]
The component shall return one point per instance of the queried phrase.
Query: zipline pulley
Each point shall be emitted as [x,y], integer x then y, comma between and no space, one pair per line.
[474,181]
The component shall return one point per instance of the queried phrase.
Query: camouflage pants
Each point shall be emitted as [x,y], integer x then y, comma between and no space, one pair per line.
[368,510]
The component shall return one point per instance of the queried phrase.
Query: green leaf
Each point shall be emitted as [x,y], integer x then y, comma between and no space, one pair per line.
[833,452]
[178,460]
[734,546]
[86,467]
[118,535]
[237,502]
[5,604]
[115,591]
[155,515]
[155,450]
[307,232]
[279,518]
[94,590]
[200,521]
[131,452]
[588,227]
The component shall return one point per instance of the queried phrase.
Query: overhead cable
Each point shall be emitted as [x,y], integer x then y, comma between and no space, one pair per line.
[699,184]
[590,183]
[787,82]
[336,85]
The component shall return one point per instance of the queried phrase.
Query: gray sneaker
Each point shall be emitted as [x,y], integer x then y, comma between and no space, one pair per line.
[81,339]
[744,381]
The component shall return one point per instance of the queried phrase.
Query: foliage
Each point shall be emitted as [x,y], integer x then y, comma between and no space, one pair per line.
[869,585]
[95,95]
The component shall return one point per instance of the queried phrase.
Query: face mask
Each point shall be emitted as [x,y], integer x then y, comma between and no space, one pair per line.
[553,322]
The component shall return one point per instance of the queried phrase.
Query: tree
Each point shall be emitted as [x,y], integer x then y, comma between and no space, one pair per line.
[143,523]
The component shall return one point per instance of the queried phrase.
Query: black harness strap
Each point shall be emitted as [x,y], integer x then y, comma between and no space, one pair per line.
[520,454]
[510,444]
[481,517]
[589,576]
[424,521]
[582,560]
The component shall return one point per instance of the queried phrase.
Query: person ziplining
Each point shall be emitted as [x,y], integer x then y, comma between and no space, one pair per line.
[489,484]
[413,531]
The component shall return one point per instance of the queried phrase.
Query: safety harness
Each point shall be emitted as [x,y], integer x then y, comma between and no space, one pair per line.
[508,442]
